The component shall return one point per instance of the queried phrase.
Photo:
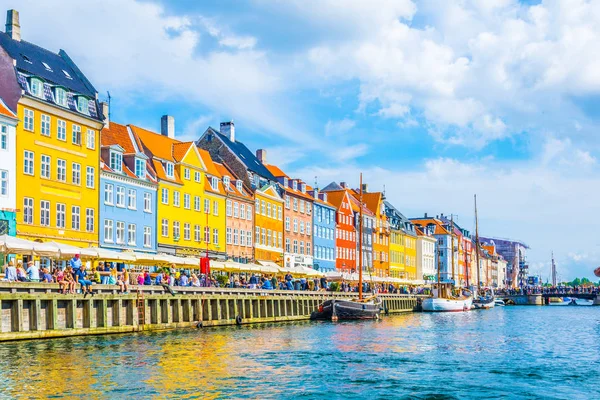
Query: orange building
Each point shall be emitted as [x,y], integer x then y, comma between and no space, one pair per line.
[381,232]
[268,225]
[345,232]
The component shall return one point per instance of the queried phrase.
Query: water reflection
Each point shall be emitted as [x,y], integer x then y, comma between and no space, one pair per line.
[537,352]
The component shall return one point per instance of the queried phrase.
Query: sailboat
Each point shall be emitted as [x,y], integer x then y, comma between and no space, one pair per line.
[361,308]
[487,299]
[442,299]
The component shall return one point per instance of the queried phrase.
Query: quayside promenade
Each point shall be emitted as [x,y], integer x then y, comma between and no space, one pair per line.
[37,310]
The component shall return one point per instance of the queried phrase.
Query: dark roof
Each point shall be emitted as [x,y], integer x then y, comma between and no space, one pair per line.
[332,187]
[245,155]
[22,51]
[397,218]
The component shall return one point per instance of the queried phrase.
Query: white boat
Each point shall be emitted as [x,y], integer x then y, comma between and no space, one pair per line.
[438,304]
[499,303]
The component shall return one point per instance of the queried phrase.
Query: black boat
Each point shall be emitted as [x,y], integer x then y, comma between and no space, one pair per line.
[337,309]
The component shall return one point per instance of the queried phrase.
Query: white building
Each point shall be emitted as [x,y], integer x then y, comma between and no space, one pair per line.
[426,248]
[8,165]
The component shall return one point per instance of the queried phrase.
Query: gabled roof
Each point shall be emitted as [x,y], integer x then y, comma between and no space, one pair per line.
[278,173]
[439,225]
[117,134]
[270,189]
[331,187]
[356,206]
[372,201]
[159,145]
[393,213]
[5,111]
[244,154]
[231,188]
[208,163]
[29,58]
[180,149]
[336,197]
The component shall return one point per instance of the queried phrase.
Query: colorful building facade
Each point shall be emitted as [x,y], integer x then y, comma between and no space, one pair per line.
[8,170]
[269,231]
[58,141]
[323,232]
[345,232]
[381,234]
[128,193]
[426,251]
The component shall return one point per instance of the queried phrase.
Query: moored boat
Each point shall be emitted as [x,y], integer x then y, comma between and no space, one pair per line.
[341,309]
[439,304]
[484,302]
[499,302]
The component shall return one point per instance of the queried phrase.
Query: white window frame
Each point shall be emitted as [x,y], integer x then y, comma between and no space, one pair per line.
[44,213]
[28,120]
[75,218]
[4,183]
[89,219]
[131,234]
[108,231]
[109,194]
[61,170]
[148,202]
[46,125]
[164,227]
[46,166]
[28,162]
[61,215]
[61,130]
[76,134]
[90,177]
[147,236]
[90,139]
[120,232]
[120,196]
[76,174]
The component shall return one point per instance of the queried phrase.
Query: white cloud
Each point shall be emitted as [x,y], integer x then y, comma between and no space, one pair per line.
[195,128]
[335,128]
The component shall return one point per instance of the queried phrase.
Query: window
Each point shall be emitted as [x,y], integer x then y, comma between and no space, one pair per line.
[302,206]
[249,213]
[214,183]
[147,236]
[45,125]
[108,193]
[263,207]
[45,167]
[3,137]
[274,239]
[108,230]
[295,225]
[197,203]
[76,174]
[287,224]
[175,198]
[236,237]
[269,237]
[186,231]
[308,228]
[308,248]
[301,247]
[147,202]
[295,204]
[308,208]
[170,170]
[165,228]
[27,210]
[164,194]
[131,199]
[279,213]
[120,196]
[90,139]
[60,96]
[197,233]
[248,238]
[215,236]
[61,170]
[76,135]
[28,163]
[116,161]
[120,232]
[257,235]
[269,210]
[28,124]
[263,236]
[257,206]
[90,180]
[44,213]
[186,201]
[228,208]
[242,237]
[238,185]
[236,210]
[197,176]
[207,234]
[75,218]
[186,173]
[226,182]
[89,220]
[131,228]
[287,202]
[295,246]
[215,208]
[61,130]
[206,206]
[82,105]
[60,215]
[287,245]
[140,168]
[3,182]
[176,230]
[242,211]
[37,87]
[228,235]
[280,237]
[302,227]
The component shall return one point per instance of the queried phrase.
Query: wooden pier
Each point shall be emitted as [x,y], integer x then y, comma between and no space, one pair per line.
[36,310]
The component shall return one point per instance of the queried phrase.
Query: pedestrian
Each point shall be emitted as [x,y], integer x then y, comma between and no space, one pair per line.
[81,277]
[75,263]
[140,279]
[10,274]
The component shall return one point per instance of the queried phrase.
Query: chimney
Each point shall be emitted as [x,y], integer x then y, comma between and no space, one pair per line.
[228,129]
[425,215]
[261,154]
[167,126]
[343,185]
[13,29]
[105,113]
[365,188]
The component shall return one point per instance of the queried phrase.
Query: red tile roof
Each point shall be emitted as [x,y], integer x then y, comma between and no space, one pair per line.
[117,134]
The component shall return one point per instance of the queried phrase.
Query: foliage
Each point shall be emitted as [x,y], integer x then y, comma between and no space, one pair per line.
[223,280]
[334,286]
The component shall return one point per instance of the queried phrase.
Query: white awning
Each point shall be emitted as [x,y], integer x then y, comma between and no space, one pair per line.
[110,255]
[67,251]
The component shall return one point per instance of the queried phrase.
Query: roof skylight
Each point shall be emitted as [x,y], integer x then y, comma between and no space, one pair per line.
[67,74]
[47,66]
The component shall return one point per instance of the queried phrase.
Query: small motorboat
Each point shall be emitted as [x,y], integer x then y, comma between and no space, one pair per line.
[499,303]
[484,302]
[342,309]
[448,303]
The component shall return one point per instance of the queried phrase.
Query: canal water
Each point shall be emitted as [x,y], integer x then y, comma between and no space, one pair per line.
[508,352]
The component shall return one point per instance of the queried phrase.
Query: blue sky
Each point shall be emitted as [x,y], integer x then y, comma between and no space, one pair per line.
[435,100]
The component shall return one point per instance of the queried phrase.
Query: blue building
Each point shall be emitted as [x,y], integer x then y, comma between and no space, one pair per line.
[128,188]
[323,233]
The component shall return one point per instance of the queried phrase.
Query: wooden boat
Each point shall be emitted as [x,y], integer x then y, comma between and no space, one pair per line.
[488,300]
[441,304]
[336,309]
[341,309]
[484,302]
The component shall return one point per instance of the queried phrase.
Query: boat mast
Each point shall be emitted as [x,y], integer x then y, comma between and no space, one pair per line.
[553,271]
[360,234]
[439,267]
[452,248]
[477,243]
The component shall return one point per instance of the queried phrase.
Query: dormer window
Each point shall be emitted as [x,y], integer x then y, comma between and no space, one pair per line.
[60,96]
[303,188]
[214,183]
[170,170]
[140,168]
[295,185]
[286,182]
[226,182]
[238,185]
[37,87]
[325,197]
[82,105]
[116,161]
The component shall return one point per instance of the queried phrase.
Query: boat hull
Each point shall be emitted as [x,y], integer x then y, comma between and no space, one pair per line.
[484,303]
[434,304]
[333,310]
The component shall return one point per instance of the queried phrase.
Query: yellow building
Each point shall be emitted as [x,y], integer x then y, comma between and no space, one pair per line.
[268,225]
[397,255]
[57,149]
[410,257]
[191,199]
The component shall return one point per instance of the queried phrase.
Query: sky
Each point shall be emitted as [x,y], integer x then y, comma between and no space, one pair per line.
[435,101]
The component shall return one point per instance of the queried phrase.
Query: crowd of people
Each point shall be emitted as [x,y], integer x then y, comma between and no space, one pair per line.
[558,290]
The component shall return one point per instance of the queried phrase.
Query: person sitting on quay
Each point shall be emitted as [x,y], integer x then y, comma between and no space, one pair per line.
[103,277]
[33,272]
[266,284]
[194,281]
[112,277]
[147,278]
[253,282]
[46,277]
[311,285]
[59,277]
[183,280]
[81,277]
[95,276]
[122,281]
[10,274]
[75,263]
[21,274]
